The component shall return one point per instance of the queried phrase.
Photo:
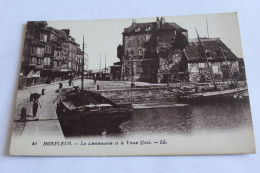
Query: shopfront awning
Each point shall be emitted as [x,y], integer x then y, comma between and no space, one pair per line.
[30,74]
[36,74]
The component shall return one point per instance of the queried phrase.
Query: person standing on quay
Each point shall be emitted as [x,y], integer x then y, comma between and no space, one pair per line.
[70,81]
[36,103]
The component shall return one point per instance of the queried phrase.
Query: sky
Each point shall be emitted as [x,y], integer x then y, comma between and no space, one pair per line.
[103,36]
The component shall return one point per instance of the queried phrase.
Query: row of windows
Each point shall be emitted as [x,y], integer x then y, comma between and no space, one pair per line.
[48,49]
[140,51]
[37,51]
[43,37]
[146,29]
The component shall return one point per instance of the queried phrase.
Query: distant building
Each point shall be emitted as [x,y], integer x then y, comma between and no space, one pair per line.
[79,58]
[145,45]
[197,65]
[115,72]
[48,53]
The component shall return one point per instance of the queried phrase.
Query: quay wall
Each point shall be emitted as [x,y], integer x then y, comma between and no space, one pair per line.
[139,95]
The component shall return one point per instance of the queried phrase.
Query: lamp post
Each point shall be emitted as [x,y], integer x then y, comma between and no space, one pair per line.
[82,63]
[132,69]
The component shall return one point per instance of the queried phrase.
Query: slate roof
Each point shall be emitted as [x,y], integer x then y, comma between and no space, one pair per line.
[193,51]
[153,27]
[142,27]
[167,25]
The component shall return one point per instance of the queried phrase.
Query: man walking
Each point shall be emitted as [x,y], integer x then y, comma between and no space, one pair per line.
[36,103]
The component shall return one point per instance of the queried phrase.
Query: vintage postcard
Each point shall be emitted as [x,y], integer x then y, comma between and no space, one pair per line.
[145,86]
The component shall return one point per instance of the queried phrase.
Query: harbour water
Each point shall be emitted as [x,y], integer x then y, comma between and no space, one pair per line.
[187,119]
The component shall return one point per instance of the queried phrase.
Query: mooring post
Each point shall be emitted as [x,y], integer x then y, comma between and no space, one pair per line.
[43,91]
[23,114]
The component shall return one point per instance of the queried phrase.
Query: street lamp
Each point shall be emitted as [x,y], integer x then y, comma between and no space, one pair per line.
[132,69]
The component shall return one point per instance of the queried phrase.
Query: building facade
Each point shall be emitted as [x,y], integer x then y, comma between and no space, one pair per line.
[48,53]
[222,62]
[159,51]
[145,45]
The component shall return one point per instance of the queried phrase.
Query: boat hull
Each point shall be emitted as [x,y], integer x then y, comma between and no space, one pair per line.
[81,122]
[236,94]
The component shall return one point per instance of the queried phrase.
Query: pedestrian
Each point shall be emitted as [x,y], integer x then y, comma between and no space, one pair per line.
[70,81]
[36,103]
[95,80]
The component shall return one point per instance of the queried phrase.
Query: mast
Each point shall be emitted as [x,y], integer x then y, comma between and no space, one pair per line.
[230,72]
[204,55]
[100,62]
[207,27]
[82,63]
[105,62]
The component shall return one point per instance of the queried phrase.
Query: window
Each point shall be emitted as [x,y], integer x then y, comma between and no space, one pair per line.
[148,28]
[215,68]
[33,61]
[47,61]
[33,50]
[47,49]
[39,62]
[69,64]
[137,29]
[201,65]
[43,37]
[140,52]
[53,37]
[147,37]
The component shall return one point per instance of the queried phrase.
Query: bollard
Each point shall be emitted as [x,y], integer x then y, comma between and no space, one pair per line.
[23,114]
[97,87]
[43,91]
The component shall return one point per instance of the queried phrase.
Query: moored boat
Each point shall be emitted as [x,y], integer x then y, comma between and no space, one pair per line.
[88,112]
[232,90]
[236,94]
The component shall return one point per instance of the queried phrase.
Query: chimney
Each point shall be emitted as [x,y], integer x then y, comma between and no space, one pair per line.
[162,20]
[133,21]
[157,22]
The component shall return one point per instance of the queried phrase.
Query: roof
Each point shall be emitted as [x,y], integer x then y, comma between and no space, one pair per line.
[79,51]
[193,51]
[167,26]
[153,27]
[142,27]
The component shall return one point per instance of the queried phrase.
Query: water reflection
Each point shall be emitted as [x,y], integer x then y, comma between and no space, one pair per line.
[171,120]
[190,119]
[185,120]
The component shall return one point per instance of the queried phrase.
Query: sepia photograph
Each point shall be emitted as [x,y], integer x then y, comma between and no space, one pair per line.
[125,87]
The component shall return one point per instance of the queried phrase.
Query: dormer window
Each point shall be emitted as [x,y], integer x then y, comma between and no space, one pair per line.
[137,29]
[148,28]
